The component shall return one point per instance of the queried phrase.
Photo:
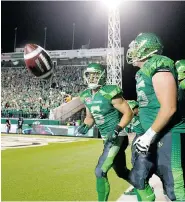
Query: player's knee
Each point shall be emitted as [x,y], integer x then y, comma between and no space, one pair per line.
[99,173]
[140,172]
[136,180]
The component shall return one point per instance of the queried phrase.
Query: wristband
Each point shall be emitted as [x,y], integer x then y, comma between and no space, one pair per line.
[118,129]
[150,132]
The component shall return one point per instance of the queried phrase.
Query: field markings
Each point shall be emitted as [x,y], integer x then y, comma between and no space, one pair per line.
[22,141]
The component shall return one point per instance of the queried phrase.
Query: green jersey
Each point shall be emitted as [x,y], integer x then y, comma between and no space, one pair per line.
[182,85]
[100,105]
[148,102]
[135,126]
[182,101]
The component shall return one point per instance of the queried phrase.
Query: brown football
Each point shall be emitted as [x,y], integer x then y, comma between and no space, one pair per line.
[38,61]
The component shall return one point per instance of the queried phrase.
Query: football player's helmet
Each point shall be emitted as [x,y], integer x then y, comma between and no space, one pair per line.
[180,65]
[144,46]
[132,104]
[95,75]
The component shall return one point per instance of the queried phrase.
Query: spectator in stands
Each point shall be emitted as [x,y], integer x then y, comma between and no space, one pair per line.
[74,123]
[19,125]
[8,125]
[29,94]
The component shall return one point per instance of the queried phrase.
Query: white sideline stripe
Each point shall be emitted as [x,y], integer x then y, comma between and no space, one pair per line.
[127,190]
[16,142]
[33,53]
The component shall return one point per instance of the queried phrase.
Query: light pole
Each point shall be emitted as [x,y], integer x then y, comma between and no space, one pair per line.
[73,40]
[45,35]
[15,39]
[114,61]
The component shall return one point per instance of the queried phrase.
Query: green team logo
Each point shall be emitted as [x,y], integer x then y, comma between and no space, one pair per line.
[99,118]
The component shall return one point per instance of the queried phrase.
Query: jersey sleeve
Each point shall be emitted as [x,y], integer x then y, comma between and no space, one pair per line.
[157,64]
[110,91]
[84,95]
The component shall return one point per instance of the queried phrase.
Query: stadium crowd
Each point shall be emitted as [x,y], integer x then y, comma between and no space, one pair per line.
[30,97]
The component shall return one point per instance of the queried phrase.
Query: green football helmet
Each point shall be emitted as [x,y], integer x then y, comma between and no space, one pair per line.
[144,46]
[180,66]
[95,75]
[132,104]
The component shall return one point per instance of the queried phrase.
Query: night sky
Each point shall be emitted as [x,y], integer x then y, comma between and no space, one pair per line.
[167,19]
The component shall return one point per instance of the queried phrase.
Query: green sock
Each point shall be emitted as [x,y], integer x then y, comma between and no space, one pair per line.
[103,188]
[146,194]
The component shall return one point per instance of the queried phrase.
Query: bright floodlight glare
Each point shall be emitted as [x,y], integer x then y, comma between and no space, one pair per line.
[111,3]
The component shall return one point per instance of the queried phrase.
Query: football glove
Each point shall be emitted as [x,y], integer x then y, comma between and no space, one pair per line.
[83,129]
[143,143]
[111,137]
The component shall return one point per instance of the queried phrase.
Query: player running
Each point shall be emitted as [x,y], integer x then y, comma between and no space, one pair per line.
[156,86]
[106,108]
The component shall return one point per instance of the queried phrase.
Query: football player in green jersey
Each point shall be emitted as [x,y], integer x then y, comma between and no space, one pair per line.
[180,66]
[140,163]
[106,108]
[134,126]
[156,86]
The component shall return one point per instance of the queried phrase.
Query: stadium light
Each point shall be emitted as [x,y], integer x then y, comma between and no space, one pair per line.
[111,4]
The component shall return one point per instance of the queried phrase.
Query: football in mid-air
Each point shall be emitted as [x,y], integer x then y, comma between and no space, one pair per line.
[38,61]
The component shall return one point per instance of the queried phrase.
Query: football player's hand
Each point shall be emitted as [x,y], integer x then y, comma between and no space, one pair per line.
[83,129]
[111,137]
[143,143]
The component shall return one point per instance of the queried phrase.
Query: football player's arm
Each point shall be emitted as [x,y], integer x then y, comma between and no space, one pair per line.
[121,105]
[89,120]
[87,124]
[166,91]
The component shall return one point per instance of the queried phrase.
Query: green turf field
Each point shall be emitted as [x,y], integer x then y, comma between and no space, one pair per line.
[58,172]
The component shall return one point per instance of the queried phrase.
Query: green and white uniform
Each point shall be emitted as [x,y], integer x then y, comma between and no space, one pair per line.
[180,66]
[170,157]
[105,115]
[181,93]
[135,126]
[106,119]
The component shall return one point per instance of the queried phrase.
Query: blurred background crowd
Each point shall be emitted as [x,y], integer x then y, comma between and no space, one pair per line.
[29,97]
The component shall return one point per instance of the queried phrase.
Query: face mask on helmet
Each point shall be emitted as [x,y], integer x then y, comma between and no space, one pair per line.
[144,46]
[94,77]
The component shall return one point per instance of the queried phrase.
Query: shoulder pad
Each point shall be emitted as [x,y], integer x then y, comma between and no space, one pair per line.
[84,94]
[158,63]
[110,91]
